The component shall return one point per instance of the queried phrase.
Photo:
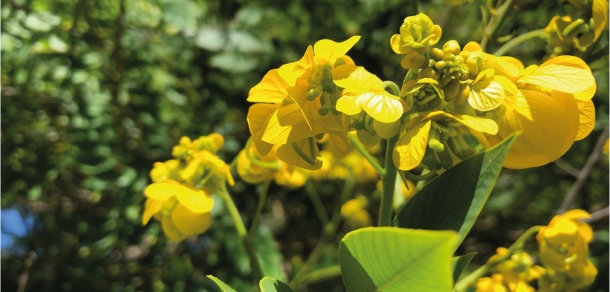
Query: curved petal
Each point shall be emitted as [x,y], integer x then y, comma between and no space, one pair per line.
[359,81]
[472,47]
[564,73]
[190,223]
[151,207]
[163,190]
[485,93]
[549,125]
[482,125]
[195,200]
[587,118]
[331,50]
[349,105]
[382,106]
[307,62]
[170,229]
[288,154]
[258,119]
[411,146]
[395,44]
[272,89]
[600,17]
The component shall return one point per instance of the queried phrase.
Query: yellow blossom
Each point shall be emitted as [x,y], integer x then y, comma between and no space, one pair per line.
[354,212]
[552,109]
[491,284]
[255,168]
[417,33]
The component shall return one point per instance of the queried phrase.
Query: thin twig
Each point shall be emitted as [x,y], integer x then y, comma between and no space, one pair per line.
[598,215]
[584,173]
[567,167]
[23,278]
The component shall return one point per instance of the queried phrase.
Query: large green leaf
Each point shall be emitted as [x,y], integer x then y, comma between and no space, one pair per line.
[396,259]
[222,285]
[268,284]
[453,200]
[459,263]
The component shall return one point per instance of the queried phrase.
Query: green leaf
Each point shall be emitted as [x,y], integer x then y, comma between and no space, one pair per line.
[268,284]
[459,263]
[222,285]
[453,200]
[396,259]
[268,253]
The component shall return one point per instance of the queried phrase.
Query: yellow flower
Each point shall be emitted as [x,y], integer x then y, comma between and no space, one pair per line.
[297,99]
[565,240]
[552,109]
[183,211]
[354,212]
[412,143]
[267,167]
[417,33]
[493,284]
[364,91]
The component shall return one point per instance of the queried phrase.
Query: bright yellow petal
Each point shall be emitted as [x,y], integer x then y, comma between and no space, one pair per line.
[349,105]
[331,50]
[343,71]
[195,200]
[486,94]
[162,190]
[190,223]
[396,47]
[286,71]
[472,47]
[564,73]
[411,146]
[258,120]
[307,61]
[271,89]
[587,94]
[600,17]
[360,81]
[170,229]
[576,214]
[151,207]
[549,125]
[288,154]
[587,118]
[483,125]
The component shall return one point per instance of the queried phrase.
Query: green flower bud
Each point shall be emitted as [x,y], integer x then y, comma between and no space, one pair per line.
[451,47]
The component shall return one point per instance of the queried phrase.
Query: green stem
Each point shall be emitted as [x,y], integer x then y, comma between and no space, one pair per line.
[392,86]
[539,33]
[256,161]
[389,183]
[495,22]
[469,280]
[366,154]
[259,208]
[317,202]
[255,265]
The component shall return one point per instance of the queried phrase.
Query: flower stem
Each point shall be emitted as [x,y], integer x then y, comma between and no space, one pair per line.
[467,281]
[365,154]
[388,180]
[259,208]
[317,203]
[494,22]
[255,265]
[539,33]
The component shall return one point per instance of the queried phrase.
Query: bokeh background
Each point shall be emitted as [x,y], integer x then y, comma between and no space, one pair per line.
[95,91]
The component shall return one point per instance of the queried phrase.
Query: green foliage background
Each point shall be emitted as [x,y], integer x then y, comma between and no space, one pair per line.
[94,92]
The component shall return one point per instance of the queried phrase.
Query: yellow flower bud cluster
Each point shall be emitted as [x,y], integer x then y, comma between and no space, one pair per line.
[255,168]
[563,248]
[180,195]
[574,33]
[513,274]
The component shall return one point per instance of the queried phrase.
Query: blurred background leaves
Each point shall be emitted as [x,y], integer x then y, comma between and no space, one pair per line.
[94,92]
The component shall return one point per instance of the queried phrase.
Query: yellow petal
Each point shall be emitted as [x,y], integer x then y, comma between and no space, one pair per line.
[381,106]
[195,200]
[258,120]
[286,71]
[190,223]
[162,190]
[360,81]
[472,47]
[331,50]
[343,71]
[576,214]
[486,94]
[170,229]
[151,207]
[483,125]
[271,89]
[587,118]
[288,154]
[587,94]
[276,133]
[396,47]
[411,146]
[349,105]
[600,17]
[307,61]
[549,125]
[564,73]
[505,66]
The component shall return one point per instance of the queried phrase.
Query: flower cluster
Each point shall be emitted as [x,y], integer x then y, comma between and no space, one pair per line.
[451,98]
[563,248]
[511,275]
[180,195]
[355,213]
[577,31]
